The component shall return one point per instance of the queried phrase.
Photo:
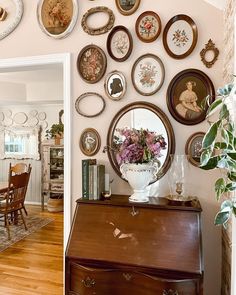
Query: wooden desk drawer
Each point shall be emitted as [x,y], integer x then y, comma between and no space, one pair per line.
[91,281]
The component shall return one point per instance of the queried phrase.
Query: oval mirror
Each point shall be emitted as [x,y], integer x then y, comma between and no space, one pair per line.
[146,116]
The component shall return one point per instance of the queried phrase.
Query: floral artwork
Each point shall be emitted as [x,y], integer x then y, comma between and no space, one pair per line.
[138,146]
[121,43]
[180,38]
[148,27]
[92,64]
[147,74]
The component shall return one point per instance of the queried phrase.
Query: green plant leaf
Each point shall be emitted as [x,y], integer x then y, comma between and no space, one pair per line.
[210,164]
[219,187]
[232,176]
[210,136]
[231,127]
[224,113]
[222,163]
[231,165]
[225,136]
[234,211]
[232,155]
[214,106]
[226,206]
[222,218]
[230,187]
[220,145]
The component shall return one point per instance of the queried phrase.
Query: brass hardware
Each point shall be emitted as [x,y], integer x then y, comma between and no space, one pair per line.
[127,276]
[170,292]
[134,212]
[88,282]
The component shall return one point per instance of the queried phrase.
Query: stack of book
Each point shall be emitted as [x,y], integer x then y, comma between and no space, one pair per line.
[93,179]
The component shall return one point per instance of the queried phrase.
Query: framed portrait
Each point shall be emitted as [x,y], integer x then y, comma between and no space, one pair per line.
[185,95]
[115,85]
[57,18]
[148,74]
[91,63]
[193,148]
[180,36]
[11,12]
[119,43]
[127,7]
[90,142]
[148,26]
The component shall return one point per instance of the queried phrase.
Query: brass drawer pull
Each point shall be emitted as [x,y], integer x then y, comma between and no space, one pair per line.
[170,292]
[88,282]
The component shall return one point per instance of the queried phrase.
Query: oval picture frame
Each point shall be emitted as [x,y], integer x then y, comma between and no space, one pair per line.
[210,46]
[100,30]
[119,43]
[115,85]
[180,36]
[193,148]
[11,17]
[83,96]
[91,64]
[89,142]
[145,78]
[127,8]
[148,26]
[190,86]
[53,25]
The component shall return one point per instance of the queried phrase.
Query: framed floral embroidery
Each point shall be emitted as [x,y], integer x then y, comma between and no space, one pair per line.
[148,26]
[148,74]
[91,63]
[180,36]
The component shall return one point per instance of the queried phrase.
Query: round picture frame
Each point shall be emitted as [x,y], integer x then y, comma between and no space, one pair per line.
[115,85]
[57,21]
[91,64]
[126,8]
[119,43]
[180,36]
[89,142]
[144,74]
[148,26]
[190,87]
[193,148]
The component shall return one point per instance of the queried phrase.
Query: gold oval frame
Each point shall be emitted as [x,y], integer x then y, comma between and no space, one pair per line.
[95,137]
[188,147]
[210,46]
[130,11]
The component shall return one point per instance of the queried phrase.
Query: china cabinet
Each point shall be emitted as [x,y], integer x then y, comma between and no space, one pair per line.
[52,172]
[116,247]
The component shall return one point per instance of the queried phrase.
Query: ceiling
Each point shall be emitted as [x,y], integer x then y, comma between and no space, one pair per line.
[220,4]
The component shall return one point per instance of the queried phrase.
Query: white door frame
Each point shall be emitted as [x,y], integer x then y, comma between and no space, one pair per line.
[14,64]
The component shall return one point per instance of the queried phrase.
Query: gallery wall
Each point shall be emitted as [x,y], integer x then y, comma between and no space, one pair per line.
[29,40]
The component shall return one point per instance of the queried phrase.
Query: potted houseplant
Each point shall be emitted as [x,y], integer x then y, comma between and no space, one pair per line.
[219,151]
[56,132]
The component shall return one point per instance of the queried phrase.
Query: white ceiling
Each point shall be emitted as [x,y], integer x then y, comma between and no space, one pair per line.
[220,4]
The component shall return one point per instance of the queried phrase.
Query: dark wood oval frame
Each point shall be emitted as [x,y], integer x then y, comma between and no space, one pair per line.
[210,89]
[109,39]
[137,25]
[188,146]
[128,12]
[169,129]
[98,144]
[190,21]
[104,60]
[84,95]
[99,30]
[163,73]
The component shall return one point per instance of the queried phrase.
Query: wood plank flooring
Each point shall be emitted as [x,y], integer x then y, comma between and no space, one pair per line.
[35,265]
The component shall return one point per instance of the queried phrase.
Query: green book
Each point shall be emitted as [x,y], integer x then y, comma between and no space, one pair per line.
[100,180]
[85,176]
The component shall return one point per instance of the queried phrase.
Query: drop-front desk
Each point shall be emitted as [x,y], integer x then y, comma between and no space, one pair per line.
[121,248]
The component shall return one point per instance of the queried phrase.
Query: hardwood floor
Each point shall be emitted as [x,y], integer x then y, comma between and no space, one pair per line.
[35,265]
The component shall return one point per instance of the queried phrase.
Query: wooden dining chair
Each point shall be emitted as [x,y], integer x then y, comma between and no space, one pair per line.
[13,200]
[20,168]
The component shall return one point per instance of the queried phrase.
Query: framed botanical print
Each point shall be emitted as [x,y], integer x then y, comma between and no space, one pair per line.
[148,74]
[185,95]
[148,26]
[119,43]
[91,63]
[193,148]
[90,142]
[115,85]
[11,12]
[180,36]
[127,7]
[57,18]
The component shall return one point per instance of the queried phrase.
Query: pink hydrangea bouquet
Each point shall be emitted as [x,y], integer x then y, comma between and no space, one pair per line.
[138,146]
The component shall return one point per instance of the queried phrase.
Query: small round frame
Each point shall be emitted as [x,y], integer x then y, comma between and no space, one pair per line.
[126,8]
[209,47]
[148,26]
[115,85]
[193,148]
[89,142]
[100,30]
[86,95]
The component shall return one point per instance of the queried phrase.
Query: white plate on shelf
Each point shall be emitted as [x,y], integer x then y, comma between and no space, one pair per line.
[33,113]
[32,122]
[20,118]
[42,116]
